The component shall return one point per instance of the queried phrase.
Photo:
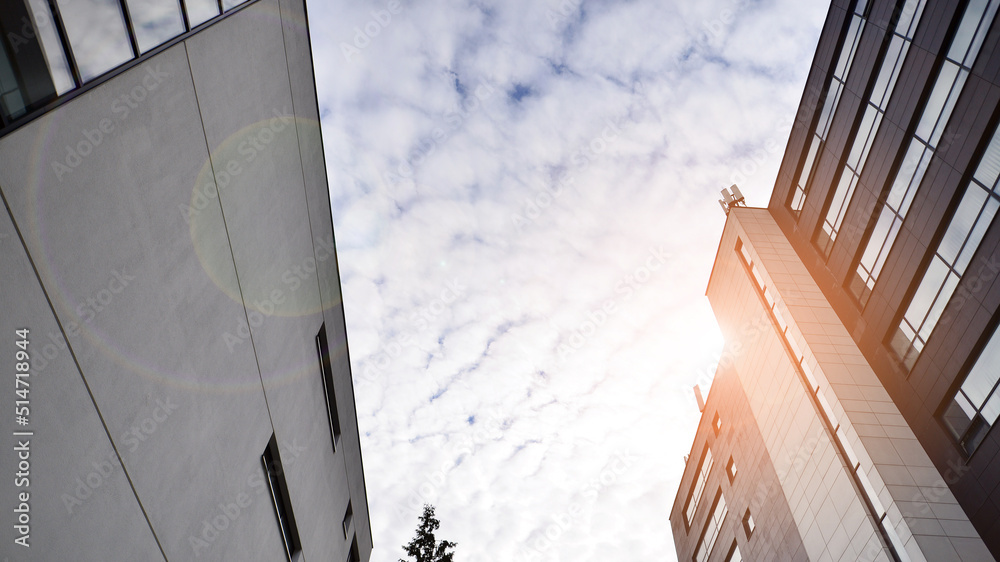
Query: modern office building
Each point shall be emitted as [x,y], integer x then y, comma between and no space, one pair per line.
[174,350]
[858,387]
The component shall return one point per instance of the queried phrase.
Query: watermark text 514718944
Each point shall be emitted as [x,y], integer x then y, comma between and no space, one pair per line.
[22,411]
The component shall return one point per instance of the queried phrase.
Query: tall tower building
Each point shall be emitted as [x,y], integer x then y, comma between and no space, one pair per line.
[173,335]
[851,415]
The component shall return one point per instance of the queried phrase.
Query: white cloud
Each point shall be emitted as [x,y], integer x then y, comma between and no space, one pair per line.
[507,402]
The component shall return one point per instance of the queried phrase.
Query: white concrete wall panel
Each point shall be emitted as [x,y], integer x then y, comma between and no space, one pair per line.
[179,218]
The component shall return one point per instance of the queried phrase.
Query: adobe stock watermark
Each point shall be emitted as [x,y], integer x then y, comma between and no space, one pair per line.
[365,34]
[229,509]
[121,107]
[923,497]
[582,158]
[748,166]
[562,13]
[970,286]
[92,305]
[292,280]
[627,286]
[28,34]
[491,429]
[402,181]
[133,438]
[563,521]
[745,339]
[713,28]
[251,144]
[421,319]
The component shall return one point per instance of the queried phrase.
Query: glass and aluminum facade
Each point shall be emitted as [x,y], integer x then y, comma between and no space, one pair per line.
[951,259]
[878,100]
[821,129]
[948,84]
[52,47]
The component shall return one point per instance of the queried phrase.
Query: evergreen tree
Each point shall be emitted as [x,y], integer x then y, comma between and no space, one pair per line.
[424,547]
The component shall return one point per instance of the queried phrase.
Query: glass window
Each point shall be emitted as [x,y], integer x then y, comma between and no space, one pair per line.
[972,31]
[830,102]
[744,253]
[326,371]
[934,110]
[975,407]
[712,527]
[97,35]
[731,469]
[839,200]
[41,20]
[701,479]
[717,423]
[780,319]
[155,21]
[354,555]
[348,518]
[200,11]
[933,119]
[33,67]
[975,212]
[757,276]
[748,525]
[271,460]
[734,554]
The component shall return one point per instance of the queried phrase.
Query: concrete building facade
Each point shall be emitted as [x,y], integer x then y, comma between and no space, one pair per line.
[875,265]
[171,300]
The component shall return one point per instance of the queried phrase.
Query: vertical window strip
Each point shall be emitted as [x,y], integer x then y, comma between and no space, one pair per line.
[830,103]
[712,528]
[951,259]
[850,175]
[974,408]
[278,486]
[326,374]
[948,85]
[701,479]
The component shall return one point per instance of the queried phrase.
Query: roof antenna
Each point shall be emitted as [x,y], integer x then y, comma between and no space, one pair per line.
[732,197]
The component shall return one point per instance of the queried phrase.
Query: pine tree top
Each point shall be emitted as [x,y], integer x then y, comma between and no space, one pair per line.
[424,547]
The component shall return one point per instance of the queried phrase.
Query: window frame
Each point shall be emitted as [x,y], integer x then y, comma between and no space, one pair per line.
[861,279]
[867,125]
[354,555]
[990,337]
[734,554]
[81,85]
[348,519]
[698,492]
[816,141]
[712,521]
[748,524]
[274,475]
[329,389]
[946,291]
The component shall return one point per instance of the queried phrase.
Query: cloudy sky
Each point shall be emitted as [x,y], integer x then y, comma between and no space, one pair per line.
[524,199]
